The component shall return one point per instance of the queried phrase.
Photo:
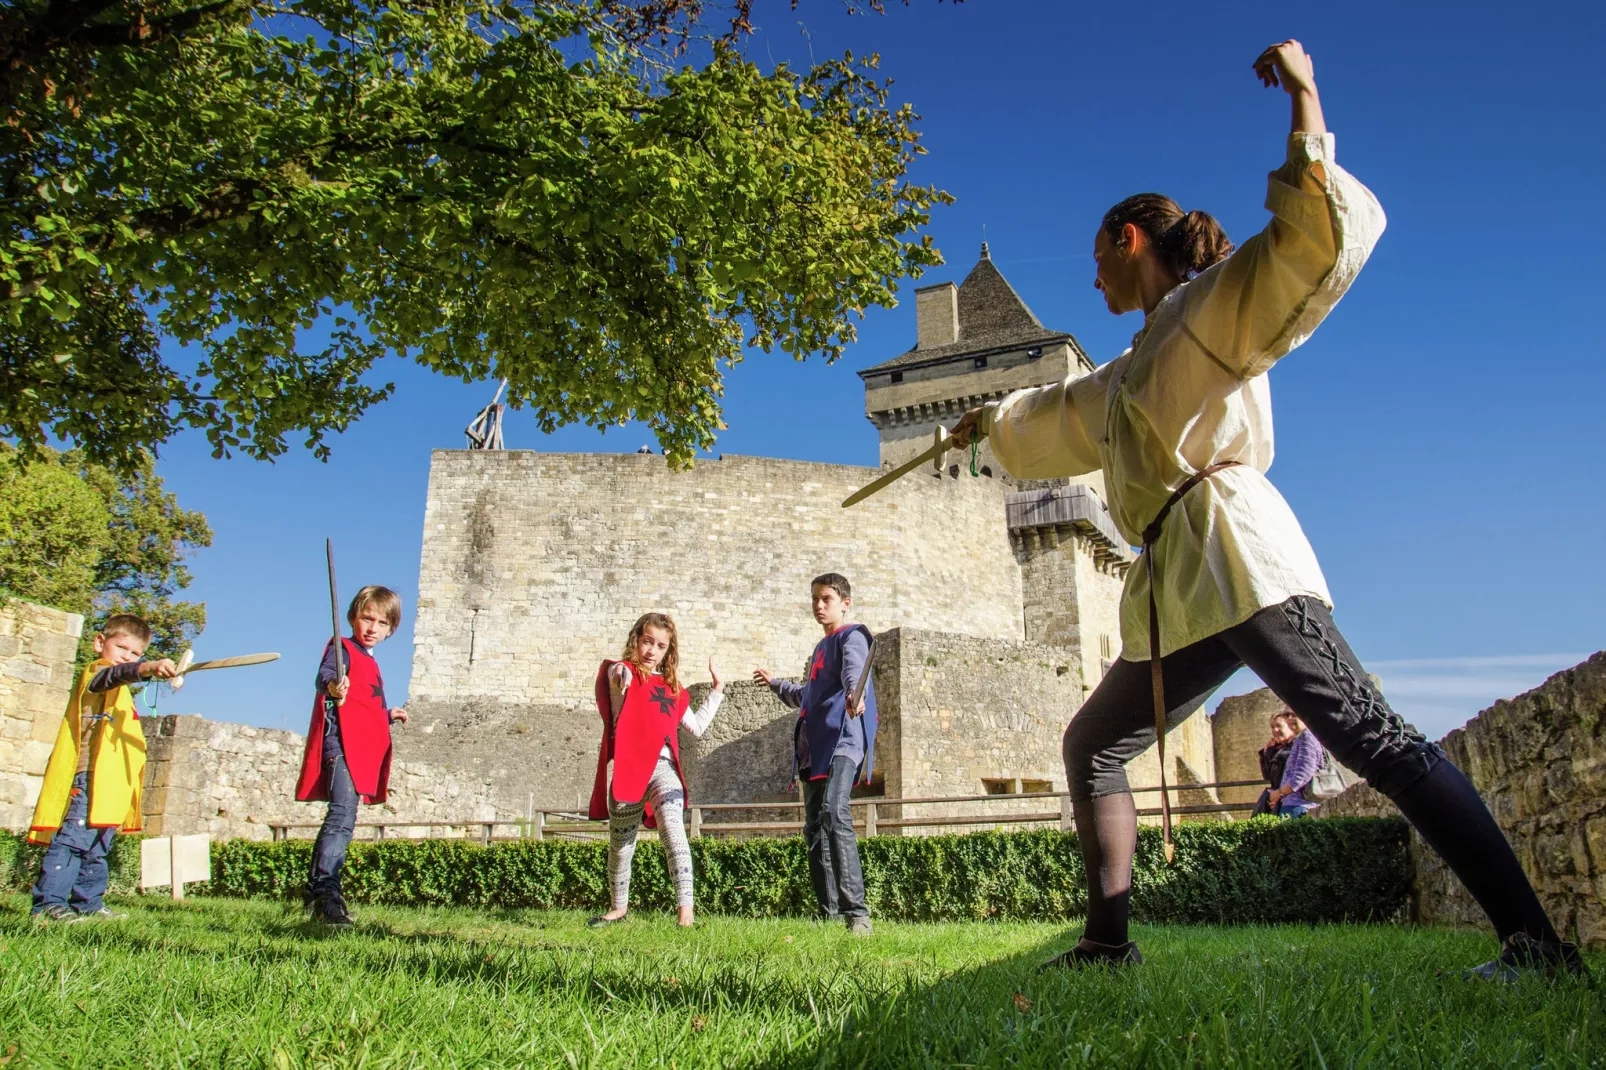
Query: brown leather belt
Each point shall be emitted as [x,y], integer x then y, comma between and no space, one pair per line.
[1151,535]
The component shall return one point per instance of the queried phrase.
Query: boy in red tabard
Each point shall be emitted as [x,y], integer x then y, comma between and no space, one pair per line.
[348,746]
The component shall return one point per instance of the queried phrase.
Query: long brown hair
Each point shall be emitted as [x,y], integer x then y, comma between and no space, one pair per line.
[670,666]
[1186,242]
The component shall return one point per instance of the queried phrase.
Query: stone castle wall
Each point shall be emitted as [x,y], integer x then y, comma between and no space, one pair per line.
[535,565]
[976,715]
[1539,761]
[1071,599]
[37,648]
[520,754]
[1240,727]
[233,780]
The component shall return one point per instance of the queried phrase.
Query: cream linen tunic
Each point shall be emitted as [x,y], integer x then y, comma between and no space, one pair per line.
[1191,392]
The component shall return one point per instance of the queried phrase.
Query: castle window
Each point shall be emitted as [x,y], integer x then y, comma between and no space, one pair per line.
[1034,352]
[897,377]
[998,785]
[1104,647]
[1030,786]
[981,362]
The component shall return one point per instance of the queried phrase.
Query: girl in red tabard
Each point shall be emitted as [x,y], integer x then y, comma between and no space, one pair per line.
[643,707]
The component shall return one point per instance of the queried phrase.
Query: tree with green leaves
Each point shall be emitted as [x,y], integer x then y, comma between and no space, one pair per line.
[82,537]
[531,190]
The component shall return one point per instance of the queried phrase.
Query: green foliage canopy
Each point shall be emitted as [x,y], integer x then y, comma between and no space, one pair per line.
[87,539]
[52,532]
[447,181]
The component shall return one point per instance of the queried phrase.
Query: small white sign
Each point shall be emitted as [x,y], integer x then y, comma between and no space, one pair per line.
[175,861]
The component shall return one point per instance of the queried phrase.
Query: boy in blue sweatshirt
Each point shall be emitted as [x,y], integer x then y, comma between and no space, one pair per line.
[832,745]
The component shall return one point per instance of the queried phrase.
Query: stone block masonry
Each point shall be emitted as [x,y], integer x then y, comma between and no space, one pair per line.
[535,565]
[1539,761]
[233,780]
[37,648]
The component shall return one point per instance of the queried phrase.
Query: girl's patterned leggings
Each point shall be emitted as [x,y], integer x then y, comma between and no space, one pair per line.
[668,800]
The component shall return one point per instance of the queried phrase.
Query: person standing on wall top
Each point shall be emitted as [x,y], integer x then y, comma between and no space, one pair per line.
[1181,426]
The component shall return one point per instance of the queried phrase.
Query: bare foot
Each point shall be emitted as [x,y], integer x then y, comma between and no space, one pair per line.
[615,915]
[686,918]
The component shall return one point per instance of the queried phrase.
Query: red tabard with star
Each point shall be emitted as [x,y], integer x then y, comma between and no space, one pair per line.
[364,734]
[648,719]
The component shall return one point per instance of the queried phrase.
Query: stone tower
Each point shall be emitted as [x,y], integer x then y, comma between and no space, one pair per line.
[975,343]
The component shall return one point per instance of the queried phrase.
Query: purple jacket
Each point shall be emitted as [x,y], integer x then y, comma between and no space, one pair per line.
[1305,756]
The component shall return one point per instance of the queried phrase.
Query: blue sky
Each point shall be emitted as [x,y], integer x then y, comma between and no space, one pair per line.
[1437,437]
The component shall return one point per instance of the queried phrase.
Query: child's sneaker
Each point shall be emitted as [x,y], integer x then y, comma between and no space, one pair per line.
[1521,955]
[103,914]
[331,911]
[859,925]
[56,914]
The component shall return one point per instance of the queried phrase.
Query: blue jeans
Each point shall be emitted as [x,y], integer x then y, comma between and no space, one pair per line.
[833,848]
[1294,808]
[74,873]
[329,851]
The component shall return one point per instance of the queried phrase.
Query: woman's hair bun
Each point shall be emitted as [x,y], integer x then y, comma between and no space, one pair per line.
[1199,242]
[1187,242]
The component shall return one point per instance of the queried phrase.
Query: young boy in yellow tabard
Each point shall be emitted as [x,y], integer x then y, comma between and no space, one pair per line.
[92,784]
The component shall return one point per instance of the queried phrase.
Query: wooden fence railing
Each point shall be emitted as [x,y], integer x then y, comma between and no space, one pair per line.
[567,824]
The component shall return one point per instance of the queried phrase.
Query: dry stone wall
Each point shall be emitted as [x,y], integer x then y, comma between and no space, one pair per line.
[1539,761]
[37,648]
[535,565]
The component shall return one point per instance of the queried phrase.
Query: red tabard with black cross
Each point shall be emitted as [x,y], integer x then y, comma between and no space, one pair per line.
[649,718]
[364,734]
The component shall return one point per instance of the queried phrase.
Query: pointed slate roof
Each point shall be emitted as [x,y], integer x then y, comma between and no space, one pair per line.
[992,316]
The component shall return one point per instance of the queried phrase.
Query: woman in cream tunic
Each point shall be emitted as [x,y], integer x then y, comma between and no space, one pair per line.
[1236,580]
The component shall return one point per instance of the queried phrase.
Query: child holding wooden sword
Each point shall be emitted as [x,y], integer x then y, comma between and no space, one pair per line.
[93,780]
[347,759]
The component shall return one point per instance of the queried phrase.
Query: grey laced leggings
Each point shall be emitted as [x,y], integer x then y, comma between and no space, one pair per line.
[668,800]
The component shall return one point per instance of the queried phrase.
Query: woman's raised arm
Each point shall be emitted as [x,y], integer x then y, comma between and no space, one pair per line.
[1268,296]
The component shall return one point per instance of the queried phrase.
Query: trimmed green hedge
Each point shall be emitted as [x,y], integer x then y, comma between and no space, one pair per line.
[1339,869]
[19,863]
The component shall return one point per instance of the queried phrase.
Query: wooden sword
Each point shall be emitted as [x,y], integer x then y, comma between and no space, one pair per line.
[886,479]
[185,668]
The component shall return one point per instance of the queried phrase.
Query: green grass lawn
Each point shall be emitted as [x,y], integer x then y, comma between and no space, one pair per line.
[225,983]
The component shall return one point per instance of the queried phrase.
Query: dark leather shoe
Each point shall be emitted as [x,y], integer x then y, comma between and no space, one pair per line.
[1523,956]
[1089,953]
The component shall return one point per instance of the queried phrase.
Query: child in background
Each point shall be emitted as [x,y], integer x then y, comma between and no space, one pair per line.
[643,708]
[348,745]
[831,745]
[92,782]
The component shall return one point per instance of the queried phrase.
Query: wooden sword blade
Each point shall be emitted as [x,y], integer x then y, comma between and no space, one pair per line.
[231,663]
[887,478]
